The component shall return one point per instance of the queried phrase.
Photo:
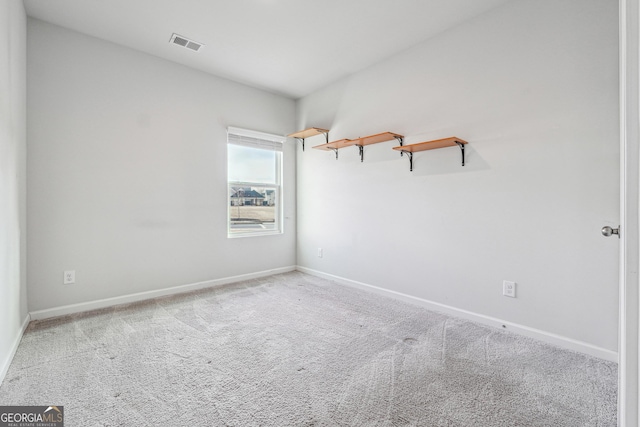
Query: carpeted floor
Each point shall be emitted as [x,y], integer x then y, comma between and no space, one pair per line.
[296,350]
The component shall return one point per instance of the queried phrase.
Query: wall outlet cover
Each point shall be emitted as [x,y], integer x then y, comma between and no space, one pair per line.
[69,277]
[509,289]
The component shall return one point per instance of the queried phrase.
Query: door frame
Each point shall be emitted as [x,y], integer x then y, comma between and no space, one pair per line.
[629,299]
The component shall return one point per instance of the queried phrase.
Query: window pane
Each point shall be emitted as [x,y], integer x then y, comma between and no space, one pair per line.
[252,209]
[254,177]
[247,164]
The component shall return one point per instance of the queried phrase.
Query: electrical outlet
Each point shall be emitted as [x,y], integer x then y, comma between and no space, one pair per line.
[319,252]
[509,289]
[69,277]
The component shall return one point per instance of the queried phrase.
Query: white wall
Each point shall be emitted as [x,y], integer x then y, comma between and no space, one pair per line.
[13,143]
[629,363]
[533,87]
[127,171]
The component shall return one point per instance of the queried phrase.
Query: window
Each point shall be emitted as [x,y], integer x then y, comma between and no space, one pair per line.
[254,170]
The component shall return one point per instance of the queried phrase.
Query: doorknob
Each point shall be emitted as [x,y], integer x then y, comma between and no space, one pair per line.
[608,231]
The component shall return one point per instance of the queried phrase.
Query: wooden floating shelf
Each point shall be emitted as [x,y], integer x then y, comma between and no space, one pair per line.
[360,142]
[335,145]
[431,145]
[375,139]
[309,132]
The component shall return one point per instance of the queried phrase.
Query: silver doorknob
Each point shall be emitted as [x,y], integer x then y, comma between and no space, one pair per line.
[608,231]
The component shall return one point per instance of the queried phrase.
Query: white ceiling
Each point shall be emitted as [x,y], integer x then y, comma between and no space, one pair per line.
[290,47]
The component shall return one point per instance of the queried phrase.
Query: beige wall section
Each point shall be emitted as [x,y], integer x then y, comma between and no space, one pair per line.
[533,87]
[127,171]
[13,144]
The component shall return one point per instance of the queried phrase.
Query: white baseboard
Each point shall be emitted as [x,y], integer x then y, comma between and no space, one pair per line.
[12,351]
[547,337]
[141,296]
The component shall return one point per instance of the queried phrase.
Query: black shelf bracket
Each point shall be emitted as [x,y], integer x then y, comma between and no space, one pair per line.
[410,155]
[335,150]
[326,138]
[461,145]
[400,140]
[361,147]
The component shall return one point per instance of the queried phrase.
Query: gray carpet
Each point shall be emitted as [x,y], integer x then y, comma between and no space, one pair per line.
[296,350]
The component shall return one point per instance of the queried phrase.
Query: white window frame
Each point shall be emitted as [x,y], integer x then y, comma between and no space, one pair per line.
[255,139]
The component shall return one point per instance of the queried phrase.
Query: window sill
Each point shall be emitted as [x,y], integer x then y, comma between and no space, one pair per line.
[253,234]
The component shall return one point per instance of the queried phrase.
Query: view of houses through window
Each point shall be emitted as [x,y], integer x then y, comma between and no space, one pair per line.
[254,175]
[252,208]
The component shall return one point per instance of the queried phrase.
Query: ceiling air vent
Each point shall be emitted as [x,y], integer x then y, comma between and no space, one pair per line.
[185,42]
